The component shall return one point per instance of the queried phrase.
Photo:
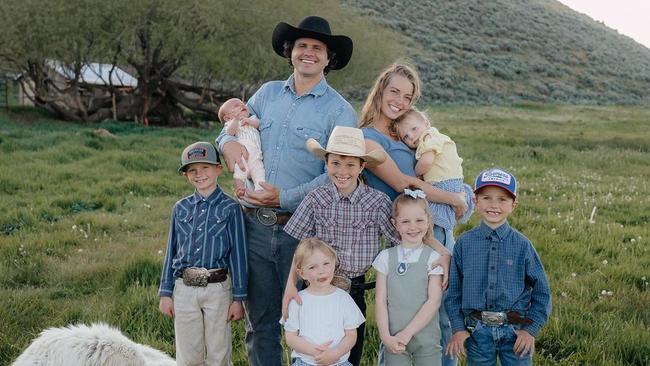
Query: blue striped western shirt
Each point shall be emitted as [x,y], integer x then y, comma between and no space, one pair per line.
[206,232]
[497,270]
[287,120]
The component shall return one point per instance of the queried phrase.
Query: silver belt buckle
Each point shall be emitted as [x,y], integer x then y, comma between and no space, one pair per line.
[196,277]
[266,216]
[493,317]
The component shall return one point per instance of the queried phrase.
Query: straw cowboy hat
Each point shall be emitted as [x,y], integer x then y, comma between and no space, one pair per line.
[347,141]
[316,28]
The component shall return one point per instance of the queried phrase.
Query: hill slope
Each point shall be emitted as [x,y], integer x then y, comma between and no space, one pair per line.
[503,51]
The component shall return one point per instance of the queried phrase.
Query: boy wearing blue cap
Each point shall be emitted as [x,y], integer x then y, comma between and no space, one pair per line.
[498,290]
[205,273]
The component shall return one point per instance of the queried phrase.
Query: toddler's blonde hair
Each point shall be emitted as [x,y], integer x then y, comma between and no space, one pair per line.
[307,247]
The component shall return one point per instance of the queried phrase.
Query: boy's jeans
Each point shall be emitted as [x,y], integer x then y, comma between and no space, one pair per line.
[487,342]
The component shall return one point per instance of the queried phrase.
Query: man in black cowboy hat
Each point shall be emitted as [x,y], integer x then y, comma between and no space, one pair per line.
[290,112]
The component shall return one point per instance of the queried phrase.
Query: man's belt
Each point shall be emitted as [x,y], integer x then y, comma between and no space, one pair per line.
[500,317]
[200,277]
[268,216]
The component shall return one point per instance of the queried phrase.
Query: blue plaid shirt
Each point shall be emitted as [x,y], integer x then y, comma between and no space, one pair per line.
[286,122]
[497,270]
[209,233]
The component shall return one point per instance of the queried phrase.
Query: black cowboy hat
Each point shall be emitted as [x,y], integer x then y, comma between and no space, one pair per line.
[316,28]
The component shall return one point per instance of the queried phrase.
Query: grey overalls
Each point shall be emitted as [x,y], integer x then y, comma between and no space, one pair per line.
[405,295]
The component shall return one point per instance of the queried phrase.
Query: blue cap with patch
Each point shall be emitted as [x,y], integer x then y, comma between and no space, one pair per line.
[497,178]
[199,152]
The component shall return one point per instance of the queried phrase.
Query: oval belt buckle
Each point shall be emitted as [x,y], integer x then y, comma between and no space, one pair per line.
[266,216]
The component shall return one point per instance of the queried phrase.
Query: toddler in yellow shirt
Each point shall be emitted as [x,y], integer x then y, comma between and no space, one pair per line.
[438,163]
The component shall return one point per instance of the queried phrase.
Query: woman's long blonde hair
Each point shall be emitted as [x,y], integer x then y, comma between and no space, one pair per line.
[372,107]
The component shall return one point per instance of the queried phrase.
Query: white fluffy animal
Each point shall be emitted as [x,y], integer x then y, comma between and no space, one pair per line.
[89,345]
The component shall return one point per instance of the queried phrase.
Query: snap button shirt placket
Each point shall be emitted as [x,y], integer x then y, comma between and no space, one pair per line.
[493,260]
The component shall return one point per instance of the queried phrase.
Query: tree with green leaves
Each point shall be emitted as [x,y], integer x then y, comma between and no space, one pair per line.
[186,56]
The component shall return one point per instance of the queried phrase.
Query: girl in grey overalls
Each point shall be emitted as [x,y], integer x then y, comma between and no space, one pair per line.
[408,293]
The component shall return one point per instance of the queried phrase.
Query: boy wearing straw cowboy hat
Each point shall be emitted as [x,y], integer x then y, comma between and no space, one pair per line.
[291,111]
[347,214]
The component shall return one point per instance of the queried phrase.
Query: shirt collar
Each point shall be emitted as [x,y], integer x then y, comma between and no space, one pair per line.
[317,91]
[212,198]
[354,197]
[501,232]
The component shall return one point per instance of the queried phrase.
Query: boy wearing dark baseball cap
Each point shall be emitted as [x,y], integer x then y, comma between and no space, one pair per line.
[498,290]
[205,272]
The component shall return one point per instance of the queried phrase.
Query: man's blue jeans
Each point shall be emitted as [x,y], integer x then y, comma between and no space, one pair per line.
[270,253]
[489,342]
[446,237]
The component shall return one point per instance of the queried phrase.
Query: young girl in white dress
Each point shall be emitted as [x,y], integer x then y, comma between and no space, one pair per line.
[322,330]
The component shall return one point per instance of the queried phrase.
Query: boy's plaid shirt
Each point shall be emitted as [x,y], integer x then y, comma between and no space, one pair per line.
[351,225]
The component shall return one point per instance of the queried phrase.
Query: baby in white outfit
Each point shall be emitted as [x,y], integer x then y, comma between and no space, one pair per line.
[238,122]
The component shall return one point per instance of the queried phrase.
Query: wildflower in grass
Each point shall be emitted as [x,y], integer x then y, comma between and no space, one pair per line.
[632,240]
[564,294]
[553,230]
[605,262]
[147,205]
[160,252]
[574,275]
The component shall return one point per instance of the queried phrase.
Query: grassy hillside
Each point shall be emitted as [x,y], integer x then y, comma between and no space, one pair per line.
[84,218]
[504,51]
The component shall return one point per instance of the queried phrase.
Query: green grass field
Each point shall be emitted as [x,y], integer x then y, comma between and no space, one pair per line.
[84,218]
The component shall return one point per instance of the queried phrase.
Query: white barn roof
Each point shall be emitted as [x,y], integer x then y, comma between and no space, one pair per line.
[97,74]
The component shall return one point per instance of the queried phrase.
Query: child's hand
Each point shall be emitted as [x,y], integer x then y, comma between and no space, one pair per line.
[235,311]
[456,345]
[394,345]
[166,306]
[404,337]
[459,205]
[525,343]
[322,347]
[253,122]
[327,357]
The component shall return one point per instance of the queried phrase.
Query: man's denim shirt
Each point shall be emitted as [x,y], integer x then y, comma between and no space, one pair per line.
[286,122]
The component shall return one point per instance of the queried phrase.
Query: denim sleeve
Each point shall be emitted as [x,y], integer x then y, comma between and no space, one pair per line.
[540,299]
[453,299]
[222,139]
[291,198]
[238,255]
[167,277]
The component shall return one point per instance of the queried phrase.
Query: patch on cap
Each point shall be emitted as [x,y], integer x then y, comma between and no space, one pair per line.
[197,153]
[496,176]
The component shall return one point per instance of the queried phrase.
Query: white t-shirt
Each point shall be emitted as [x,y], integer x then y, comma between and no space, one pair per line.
[322,318]
[381,261]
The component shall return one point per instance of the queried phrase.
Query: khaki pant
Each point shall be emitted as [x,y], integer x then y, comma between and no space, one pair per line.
[203,335]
